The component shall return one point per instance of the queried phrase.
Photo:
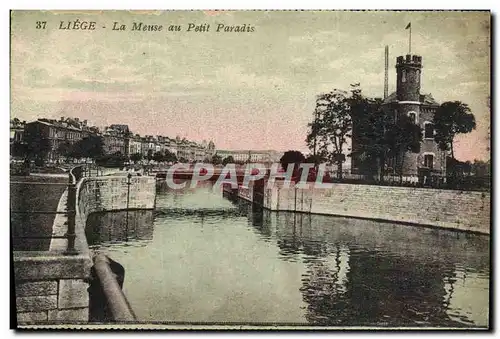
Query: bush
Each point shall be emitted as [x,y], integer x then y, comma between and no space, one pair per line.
[111,161]
[19,169]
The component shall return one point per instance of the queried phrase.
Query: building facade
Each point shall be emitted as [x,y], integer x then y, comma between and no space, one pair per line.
[133,145]
[114,142]
[17,130]
[251,156]
[116,138]
[149,145]
[408,100]
[55,133]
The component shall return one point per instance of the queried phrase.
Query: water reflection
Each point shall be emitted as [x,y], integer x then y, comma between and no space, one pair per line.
[378,274]
[126,228]
[212,260]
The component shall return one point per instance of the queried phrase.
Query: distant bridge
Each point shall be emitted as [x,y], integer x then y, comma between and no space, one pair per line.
[183,174]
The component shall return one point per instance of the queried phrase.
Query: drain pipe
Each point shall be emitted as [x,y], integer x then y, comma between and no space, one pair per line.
[115,299]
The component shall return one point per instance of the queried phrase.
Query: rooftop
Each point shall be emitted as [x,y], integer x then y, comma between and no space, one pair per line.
[426,99]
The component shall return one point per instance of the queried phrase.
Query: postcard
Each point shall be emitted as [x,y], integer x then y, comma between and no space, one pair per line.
[258,169]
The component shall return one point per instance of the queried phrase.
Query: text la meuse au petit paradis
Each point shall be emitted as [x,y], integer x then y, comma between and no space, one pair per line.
[147,27]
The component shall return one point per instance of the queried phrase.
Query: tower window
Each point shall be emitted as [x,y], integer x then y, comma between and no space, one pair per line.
[413,117]
[403,76]
[429,161]
[429,130]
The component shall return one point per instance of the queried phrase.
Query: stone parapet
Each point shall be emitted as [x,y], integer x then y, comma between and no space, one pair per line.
[51,286]
[460,210]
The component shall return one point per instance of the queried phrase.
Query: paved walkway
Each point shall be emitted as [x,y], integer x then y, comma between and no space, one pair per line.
[50,175]
[42,195]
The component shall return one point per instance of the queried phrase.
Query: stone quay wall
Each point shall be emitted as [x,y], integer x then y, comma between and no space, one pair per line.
[452,209]
[51,286]
[246,192]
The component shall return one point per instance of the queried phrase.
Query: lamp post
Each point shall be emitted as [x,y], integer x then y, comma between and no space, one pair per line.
[129,176]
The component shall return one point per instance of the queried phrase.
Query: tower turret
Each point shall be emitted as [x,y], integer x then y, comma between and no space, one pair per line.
[408,71]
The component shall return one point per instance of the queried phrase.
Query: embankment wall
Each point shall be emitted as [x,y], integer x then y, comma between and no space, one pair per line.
[460,210]
[52,286]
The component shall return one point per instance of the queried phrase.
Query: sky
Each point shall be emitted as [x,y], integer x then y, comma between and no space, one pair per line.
[243,90]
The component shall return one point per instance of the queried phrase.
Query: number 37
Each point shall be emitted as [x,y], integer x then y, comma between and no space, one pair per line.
[41,24]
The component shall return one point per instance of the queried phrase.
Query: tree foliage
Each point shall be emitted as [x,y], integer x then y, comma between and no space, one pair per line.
[292,157]
[402,136]
[169,156]
[91,146]
[65,149]
[315,159]
[377,136]
[228,160]
[36,148]
[370,125]
[158,156]
[18,149]
[136,157]
[481,168]
[331,127]
[150,154]
[452,118]
[216,159]
[112,160]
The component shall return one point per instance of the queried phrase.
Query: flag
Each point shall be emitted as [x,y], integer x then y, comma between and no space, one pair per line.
[408,26]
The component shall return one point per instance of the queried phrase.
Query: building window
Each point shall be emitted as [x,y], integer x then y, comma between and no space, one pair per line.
[429,161]
[429,130]
[413,117]
[403,76]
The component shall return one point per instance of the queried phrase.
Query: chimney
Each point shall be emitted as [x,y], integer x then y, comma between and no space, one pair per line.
[386,77]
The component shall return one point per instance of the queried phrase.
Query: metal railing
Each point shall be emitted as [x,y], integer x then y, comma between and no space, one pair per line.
[91,170]
[71,210]
[465,183]
[108,303]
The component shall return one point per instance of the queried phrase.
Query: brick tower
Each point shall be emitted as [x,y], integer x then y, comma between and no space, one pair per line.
[408,74]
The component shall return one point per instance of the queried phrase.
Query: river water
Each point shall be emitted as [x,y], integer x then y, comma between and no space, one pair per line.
[202,258]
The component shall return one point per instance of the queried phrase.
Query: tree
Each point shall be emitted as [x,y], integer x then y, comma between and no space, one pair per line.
[37,148]
[18,149]
[370,125]
[169,156]
[481,168]
[403,136]
[216,159]
[452,118]
[158,156]
[292,157]
[228,160]
[136,157]
[91,146]
[331,127]
[65,149]
[149,156]
[116,159]
[379,136]
[314,159]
